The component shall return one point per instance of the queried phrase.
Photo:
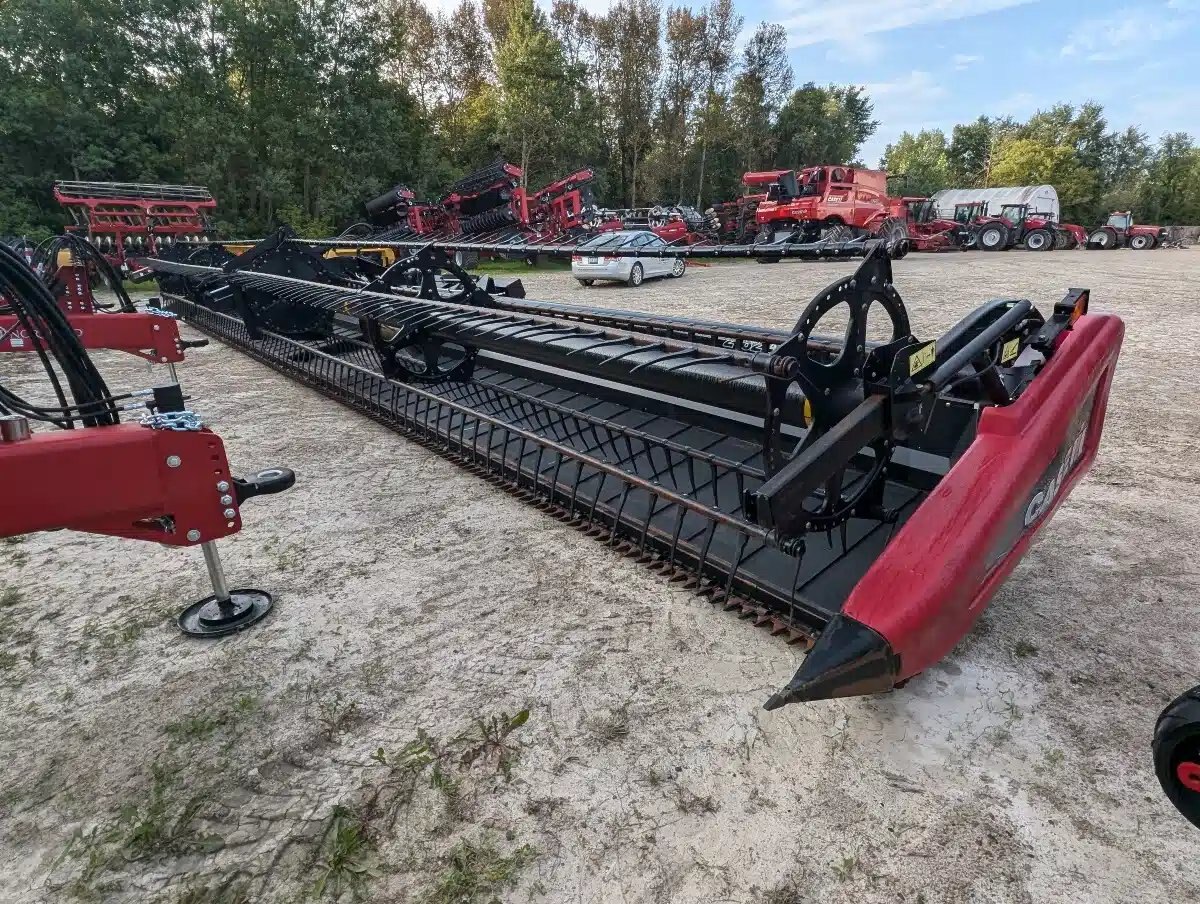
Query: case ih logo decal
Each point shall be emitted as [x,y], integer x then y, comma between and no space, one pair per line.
[1049,486]
[1044,497]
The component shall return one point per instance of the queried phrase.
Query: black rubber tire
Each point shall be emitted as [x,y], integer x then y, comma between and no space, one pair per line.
[895,231]
[999,243]
[637,275]
[1039,240]
[1103,239]
[1176,741]
[586,282]
[1141,242]
[678,268]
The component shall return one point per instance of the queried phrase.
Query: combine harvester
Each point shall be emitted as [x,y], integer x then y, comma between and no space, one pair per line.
[862,498]
[840,202]
[133,219]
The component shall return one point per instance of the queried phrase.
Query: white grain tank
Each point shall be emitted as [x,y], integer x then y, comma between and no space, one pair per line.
[1040,198]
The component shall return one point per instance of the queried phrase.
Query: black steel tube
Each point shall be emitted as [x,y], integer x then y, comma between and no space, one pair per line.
[987,337]
[805,251]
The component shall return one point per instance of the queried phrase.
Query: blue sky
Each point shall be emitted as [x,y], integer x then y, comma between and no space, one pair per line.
[934,63]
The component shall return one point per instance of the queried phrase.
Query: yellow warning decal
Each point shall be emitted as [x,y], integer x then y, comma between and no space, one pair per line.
[1010,350]
[922,358]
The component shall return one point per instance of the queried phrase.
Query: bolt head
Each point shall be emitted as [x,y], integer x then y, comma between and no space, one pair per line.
[174,461]
[229,513]
[222,486]
[193,535]
[227,500]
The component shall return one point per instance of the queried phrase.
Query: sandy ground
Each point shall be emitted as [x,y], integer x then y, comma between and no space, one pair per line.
[368,740]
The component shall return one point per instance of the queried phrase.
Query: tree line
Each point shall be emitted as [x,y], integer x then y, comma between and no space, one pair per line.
[299,110]
[1094,170]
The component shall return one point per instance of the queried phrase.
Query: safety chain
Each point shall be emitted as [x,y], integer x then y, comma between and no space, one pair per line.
[172,420]
[161,312]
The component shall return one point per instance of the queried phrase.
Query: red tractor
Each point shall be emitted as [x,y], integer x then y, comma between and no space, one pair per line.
[1120,231]
[834,202]
[1018,225]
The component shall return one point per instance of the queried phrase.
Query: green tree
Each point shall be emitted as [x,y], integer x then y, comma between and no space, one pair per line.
[920,160]
[823,125]
[972,149]
[630,72]
[543,129]
[1026,161]
[721,27]
[759,90]
[683,81]
[1171,192]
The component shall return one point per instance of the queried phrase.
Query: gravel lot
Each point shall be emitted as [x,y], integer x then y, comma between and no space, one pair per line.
[367,741]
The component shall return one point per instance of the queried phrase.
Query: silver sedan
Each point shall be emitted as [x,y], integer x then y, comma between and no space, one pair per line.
[590,262]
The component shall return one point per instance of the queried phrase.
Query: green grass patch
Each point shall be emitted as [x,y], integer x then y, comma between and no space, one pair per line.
[476,872]
[518,267]
[344,853]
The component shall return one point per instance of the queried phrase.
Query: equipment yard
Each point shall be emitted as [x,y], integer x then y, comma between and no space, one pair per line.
[459,698]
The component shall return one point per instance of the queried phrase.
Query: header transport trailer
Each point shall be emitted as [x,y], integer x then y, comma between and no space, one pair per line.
[861,498]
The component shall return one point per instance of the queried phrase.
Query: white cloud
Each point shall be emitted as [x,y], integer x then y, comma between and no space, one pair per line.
[1019,106]
[915,89]
[1126,34]
[860,49]
[965,60]
[903,104]
[808,23]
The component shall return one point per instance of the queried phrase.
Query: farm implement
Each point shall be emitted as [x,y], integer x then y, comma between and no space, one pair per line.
[488,204]
[861,494]
[163,479]
[127,219]
[674,223]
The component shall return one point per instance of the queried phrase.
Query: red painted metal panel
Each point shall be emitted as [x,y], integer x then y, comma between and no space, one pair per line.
[119,481]
[145,335]
[933,581]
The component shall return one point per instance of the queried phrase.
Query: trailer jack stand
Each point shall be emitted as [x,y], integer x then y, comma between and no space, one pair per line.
[224,611]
